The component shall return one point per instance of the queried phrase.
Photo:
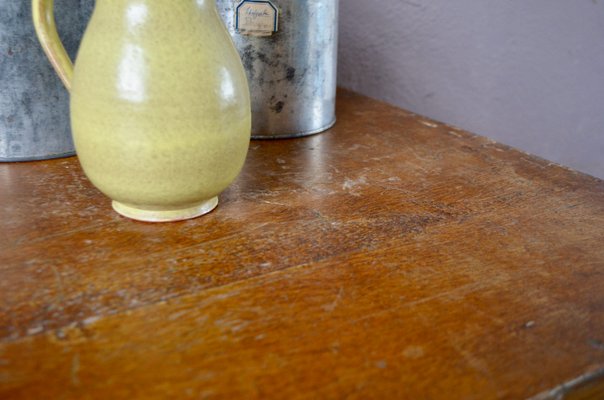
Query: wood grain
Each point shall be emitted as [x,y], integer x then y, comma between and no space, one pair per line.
[390,257]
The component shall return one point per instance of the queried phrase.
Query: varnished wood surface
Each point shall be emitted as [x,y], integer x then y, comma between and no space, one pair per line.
[391,257]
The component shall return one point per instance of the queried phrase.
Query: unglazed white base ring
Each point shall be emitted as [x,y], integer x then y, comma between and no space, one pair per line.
[165,215]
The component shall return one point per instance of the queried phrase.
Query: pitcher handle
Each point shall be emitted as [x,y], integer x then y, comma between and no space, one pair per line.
[46,29]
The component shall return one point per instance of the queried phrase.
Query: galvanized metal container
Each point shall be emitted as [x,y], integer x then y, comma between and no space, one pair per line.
[34,106]
[291,65]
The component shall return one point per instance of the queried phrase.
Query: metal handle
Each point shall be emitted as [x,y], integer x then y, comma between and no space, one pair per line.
[46,29]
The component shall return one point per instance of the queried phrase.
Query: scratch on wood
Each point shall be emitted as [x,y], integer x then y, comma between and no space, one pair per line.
[529,324]
[419,157]
[91,320]
[414,352]
[332,306]
[35,330]
[473,361]
[428,124]
[59,280]
[63,234]
[75,369]
[560,392]
[533,162]
[350,185]
[459,291]
[357,146]
[274,203]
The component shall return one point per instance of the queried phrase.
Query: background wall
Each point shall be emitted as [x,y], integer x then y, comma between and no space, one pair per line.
[528,73]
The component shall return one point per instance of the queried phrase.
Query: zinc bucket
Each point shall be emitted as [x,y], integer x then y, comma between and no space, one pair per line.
[289,51]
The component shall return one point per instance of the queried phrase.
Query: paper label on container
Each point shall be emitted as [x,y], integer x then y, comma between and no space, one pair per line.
[256,18]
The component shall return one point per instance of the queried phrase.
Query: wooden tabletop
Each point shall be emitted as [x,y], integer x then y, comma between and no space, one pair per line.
[390,257]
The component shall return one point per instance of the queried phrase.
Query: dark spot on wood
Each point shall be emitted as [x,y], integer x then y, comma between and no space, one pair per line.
[596,344]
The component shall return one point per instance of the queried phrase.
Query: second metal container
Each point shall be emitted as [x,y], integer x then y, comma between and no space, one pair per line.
[34,106]
[289,50]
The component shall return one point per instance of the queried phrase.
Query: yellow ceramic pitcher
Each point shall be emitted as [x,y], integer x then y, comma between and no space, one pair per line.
[160,106]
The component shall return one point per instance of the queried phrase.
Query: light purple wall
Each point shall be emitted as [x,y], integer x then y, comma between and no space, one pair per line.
[529,73]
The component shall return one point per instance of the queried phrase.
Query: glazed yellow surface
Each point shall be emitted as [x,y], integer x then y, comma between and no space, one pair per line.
[160,105]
